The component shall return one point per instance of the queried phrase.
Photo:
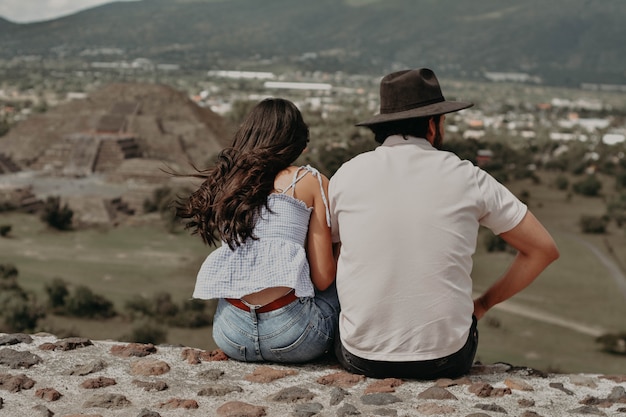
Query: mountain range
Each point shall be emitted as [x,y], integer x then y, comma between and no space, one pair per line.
[564,42]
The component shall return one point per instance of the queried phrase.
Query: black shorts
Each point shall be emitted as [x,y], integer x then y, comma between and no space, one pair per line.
[451,366]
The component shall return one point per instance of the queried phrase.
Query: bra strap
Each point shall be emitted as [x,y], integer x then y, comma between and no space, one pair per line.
[315,173]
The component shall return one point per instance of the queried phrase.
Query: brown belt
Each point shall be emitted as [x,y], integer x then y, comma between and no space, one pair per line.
[271,306]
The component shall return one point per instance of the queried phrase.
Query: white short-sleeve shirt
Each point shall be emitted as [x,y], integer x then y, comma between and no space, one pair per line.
[407,216]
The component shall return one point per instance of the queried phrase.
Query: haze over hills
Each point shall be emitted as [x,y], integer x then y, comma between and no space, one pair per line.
[565,42]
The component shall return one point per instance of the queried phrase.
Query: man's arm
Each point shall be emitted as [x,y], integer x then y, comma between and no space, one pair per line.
[536,250]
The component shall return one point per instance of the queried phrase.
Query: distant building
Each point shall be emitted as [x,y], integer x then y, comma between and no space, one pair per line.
[250,75]
[562,136]
[613,138]
[518,77]
[589,124]
[76,95]
[583,104]
[298,86]
[473,134]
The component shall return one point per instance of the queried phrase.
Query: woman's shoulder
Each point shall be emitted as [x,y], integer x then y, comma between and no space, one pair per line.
[312,179]
[315,173]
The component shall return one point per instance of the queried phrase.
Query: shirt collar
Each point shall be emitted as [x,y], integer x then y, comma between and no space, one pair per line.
[395,140]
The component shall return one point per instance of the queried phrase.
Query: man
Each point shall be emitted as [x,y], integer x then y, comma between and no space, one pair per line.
[405,218]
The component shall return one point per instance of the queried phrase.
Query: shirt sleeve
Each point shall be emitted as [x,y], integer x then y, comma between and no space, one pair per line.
[502,210]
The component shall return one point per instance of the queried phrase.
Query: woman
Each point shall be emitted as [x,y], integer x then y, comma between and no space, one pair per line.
[274,273]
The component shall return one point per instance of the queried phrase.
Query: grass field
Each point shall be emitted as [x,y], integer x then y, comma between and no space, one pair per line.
[543,327]
[115,262]
[577,288]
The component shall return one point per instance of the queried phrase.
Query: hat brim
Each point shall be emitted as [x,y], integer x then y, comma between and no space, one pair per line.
[424,111]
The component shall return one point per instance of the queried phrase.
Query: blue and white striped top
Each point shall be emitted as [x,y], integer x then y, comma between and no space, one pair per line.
[276,259]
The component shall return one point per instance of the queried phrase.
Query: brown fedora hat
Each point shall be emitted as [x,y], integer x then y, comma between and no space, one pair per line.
[410,94]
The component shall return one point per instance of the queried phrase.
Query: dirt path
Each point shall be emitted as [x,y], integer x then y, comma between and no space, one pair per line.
[614,270]
[545,317]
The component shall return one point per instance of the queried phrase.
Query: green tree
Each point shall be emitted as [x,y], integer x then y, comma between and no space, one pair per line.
[561,182]
[21,314]
[5,229]
[613,343]
[84,303]
[8,271]
[161,307]
[146,331]
[57,292]
[590,186]
[139,306]
[164,306]
[161,200]
[19,310]
[593,224]
[57,216]
[8,277]
[464,148]
[193,314]
[239,110]
[4,126]
[616,209]
[620,180]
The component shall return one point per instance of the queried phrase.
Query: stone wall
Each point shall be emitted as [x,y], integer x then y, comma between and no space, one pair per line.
[41,375]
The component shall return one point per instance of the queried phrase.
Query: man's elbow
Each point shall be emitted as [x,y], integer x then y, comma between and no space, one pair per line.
[551,253]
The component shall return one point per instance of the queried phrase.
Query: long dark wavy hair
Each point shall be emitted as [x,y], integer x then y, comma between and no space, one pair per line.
[226,205]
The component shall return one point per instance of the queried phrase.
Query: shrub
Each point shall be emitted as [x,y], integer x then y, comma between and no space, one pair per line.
[620,180]
[192,315]
[8,278]
[21,314]
[161,307]
[5,229]
[8,271]
[7,206]
[561,182]
[146,331]
[161,200]
[139,306]
[57,294]
[84,303]
[613,343]
[616,209]
[593,224]
[164,306]
[590,186]
[57,216]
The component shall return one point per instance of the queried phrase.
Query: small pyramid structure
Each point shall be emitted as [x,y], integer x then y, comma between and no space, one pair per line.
[118,122]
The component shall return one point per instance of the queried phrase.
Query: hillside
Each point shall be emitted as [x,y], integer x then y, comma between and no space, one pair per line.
[563,42]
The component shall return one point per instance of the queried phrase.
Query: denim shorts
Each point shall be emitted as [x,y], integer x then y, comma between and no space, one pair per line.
[299,332]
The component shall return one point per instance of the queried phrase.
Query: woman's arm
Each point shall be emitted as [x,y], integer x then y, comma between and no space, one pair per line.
[319,243]
[536,250]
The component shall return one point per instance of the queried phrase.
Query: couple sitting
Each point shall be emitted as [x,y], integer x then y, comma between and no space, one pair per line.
[389,239]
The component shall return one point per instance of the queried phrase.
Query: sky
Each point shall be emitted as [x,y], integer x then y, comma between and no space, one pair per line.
[27,11]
